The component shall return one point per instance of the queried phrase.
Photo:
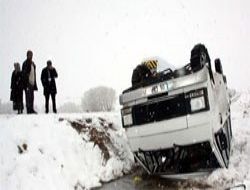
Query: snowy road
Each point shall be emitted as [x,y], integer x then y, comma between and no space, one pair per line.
[156,183]
[145,182]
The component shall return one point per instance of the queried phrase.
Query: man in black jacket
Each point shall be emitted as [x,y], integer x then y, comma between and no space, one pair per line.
[17,89]
[29,81]
[49,85]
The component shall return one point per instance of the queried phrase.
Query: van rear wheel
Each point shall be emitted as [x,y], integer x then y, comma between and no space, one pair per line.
[199,57]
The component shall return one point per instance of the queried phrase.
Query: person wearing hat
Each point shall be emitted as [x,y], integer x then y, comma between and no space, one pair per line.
[144,71]
[29,82]
[49,85]
[16,94]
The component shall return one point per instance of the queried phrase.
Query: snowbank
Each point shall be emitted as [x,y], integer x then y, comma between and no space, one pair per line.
[239,170]
[48,152]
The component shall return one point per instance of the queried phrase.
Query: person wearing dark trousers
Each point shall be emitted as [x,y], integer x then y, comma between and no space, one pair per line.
[16,94]
[49,85]
[29,81]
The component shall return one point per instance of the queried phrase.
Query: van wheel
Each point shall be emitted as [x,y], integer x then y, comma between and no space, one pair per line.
[218,66]
[199,57]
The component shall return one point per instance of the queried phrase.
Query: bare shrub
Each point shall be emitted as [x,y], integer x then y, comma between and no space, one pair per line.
[99,99]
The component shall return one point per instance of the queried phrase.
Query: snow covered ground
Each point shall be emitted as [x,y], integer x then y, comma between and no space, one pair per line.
[239,169]
[77,151]
[46,152]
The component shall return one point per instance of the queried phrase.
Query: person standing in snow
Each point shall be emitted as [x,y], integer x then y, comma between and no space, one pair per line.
[17,89]
[29,79]
[144,71]
[49,85]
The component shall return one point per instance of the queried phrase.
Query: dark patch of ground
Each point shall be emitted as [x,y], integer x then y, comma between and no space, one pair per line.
[22,148]
[98,135]
[139,180]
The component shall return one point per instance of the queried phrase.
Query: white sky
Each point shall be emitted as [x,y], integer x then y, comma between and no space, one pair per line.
[99,42]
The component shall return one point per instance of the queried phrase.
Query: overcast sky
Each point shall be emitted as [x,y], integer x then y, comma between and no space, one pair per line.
[99,42]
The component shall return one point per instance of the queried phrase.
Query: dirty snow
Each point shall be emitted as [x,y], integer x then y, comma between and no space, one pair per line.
[45,152]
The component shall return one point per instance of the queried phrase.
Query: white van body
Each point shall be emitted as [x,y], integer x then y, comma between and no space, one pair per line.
[181,125]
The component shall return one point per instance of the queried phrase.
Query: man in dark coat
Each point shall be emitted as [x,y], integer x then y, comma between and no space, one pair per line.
[29,82]
[17,89]
[49,85]
[144,71]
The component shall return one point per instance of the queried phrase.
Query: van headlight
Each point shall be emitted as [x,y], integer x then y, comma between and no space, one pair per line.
[197,104]
[198,100]
[127,120]
[127,117]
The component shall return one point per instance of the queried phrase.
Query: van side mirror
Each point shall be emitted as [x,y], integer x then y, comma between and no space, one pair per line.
[218,66]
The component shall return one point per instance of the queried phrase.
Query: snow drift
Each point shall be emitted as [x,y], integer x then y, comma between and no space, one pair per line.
[61,151]
[238,171]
